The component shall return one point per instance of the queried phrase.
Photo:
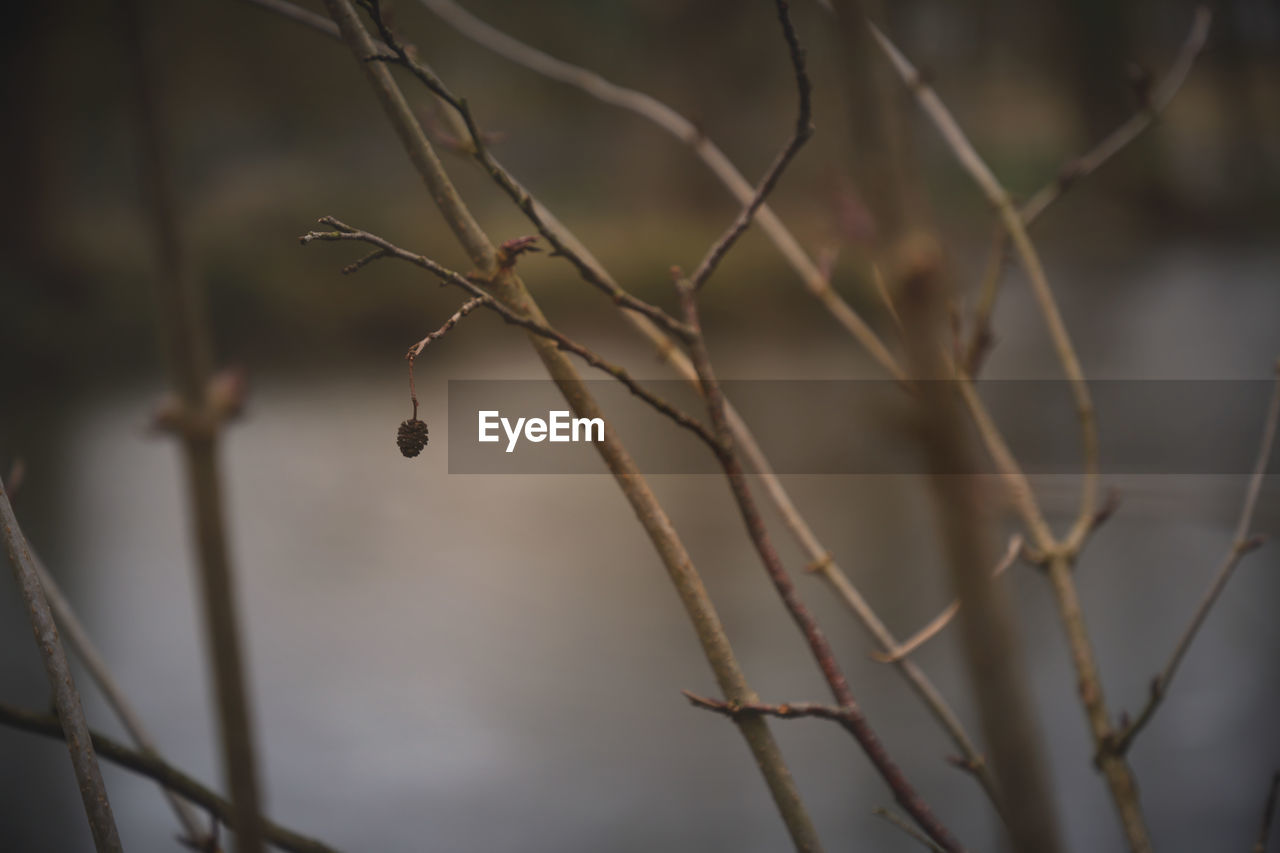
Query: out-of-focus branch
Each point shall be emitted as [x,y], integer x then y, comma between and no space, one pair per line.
[387,249]
[1059,556]
[1075,171]
[508,288]
[999,198]
[935,625]
[853,719]
[152,766]
[1268,815]
[70,721]
[80,641]
[988,627]
[1242,543]
[690,134]
[187,351]
[803,130]
[899,822]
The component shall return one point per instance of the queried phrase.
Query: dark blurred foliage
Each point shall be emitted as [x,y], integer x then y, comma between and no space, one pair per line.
[271,126]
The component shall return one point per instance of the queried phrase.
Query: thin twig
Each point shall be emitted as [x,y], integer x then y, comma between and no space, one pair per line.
[897,821]
[803,130]
[999,198]
[508,288]
[1074,172]
[70,720]
[939,622]
[155,768]
[82,644]
[1242,543]
[560,236]
[389,250]
[398,53]
[1268,815]
[853,720]
[467,307]
[689,134]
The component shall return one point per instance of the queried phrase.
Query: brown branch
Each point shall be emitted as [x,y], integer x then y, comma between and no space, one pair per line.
[508,288]
[687,133]
[398,53]
[153,767]
[901,823]
[467,307]
[70,720]
[187,352]
[803,130]
[939,622]
[448,276]
[999,198]
[1243,542]
[1075,171]
[852,719]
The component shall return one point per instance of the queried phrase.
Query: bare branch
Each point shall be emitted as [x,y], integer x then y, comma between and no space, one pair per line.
[448,276]
[70,720]
[467,307]
[852,718]
[155,768]
[1074,172]
[901,823]
[937,623]
[1242,544]
[803,130]
[996,195]
[689,134]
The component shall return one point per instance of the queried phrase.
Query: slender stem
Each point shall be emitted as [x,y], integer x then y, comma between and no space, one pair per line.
[854,721]
[151,766]
[996,195]
[689,134]
[1075,171]
[536,327]
[510,290]
[186,345]
[1241,544]
[905,826]
[82,644]
[803,130]
[70,720]
[1268,815]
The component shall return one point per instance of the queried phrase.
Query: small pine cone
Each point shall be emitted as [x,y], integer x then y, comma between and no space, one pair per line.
[412,437]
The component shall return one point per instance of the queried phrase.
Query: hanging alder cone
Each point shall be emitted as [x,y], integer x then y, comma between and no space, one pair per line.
[412,437]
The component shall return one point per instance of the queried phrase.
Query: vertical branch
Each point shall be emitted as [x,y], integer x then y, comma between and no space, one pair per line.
[855,722]
[508,288]
[66,698]
[187,352]
[987,623]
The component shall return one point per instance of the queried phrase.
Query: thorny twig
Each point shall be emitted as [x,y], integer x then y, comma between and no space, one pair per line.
[1243,542]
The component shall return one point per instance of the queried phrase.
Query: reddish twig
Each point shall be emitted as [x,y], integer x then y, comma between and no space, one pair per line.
[852,718]
[803,130]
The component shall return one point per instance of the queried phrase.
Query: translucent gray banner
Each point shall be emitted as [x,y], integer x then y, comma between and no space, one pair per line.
[859,427]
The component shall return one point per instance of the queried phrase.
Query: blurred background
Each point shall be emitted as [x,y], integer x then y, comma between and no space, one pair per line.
[445,662]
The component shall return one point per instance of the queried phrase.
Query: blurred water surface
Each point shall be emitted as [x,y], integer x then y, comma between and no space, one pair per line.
[493,663]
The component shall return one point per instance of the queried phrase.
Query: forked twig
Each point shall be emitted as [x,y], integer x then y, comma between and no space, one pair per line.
[1243,542]
[937,623]
[1074,172]
[803,130]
